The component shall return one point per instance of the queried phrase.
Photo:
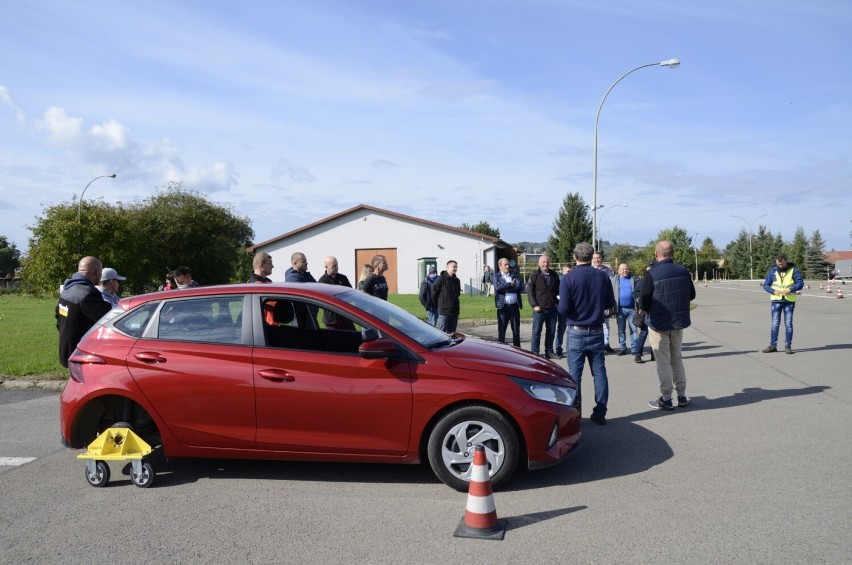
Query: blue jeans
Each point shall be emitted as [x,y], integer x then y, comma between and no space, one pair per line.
[624,318]
[447,323]
[561,326]
[509,316]
[588,344]
[544,317]
[779,306]
[432,317]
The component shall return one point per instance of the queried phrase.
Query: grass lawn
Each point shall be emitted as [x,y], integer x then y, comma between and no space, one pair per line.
[29,342]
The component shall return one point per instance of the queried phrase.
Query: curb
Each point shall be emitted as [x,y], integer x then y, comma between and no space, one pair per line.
[28,384]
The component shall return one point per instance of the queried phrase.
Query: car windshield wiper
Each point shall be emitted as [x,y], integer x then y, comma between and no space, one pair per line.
[441,343]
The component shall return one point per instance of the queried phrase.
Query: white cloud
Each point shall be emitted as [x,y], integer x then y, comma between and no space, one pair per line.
[6,99]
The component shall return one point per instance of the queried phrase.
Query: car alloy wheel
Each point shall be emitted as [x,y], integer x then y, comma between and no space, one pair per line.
[455,435]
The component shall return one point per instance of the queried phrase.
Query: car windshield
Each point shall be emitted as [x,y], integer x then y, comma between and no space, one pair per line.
[396,317]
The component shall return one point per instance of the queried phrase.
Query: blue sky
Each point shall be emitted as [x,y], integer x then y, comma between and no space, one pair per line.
[453,111]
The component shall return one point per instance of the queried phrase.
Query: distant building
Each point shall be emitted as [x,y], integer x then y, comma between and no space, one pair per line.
[410,245]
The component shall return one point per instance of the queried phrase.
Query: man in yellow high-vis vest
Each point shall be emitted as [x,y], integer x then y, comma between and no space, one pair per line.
[782,282]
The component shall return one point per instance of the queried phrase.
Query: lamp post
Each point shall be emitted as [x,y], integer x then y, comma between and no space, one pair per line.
[598,244]
[80,212]
[695,249]
[750,237]
[670,63]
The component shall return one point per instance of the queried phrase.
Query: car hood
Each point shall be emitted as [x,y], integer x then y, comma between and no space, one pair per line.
[477,354]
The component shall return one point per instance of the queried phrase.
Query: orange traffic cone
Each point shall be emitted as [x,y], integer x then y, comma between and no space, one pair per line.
[480,515]
[839,294]
[820,286]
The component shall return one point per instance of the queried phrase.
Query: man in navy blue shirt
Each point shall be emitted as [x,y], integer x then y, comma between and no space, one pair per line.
[584,294]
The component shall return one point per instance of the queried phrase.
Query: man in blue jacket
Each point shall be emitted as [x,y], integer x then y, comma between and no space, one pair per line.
[667,290]
[584,294]
[782,282]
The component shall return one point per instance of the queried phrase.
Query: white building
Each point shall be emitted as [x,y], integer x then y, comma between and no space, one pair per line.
[409,244]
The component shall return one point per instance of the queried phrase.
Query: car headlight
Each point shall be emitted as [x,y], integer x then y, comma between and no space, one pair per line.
[547,392]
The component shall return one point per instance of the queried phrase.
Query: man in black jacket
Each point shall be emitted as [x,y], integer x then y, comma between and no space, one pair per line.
[445,296]
[542,291]
[667,290]
[80,305]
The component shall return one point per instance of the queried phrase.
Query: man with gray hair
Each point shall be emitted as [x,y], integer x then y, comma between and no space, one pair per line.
[667,290]
[584,294]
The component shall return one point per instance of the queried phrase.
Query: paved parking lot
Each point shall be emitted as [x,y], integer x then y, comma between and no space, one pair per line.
[756,471]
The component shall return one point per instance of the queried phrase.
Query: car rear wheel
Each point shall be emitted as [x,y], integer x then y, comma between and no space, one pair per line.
[451,443]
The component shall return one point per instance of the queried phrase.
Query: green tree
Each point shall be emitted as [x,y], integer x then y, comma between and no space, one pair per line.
[797,250]
[10,257]
[765,247]
[816,266]
[737,256]
[679,237]
[482,227]
[621,253]
[140,240]
[571,226]
[708,259]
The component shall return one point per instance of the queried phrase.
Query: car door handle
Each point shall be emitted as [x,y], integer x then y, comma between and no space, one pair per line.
[276,375]
[150,357]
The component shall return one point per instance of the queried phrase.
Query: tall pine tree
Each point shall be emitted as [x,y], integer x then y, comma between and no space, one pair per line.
[571,226]
[816,267]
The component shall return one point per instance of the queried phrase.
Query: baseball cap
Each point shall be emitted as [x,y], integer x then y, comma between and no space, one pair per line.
[109,274]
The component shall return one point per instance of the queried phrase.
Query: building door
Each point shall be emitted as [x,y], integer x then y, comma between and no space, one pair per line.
[365,257]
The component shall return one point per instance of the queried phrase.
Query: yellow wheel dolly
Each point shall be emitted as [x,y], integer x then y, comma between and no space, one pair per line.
[118,444]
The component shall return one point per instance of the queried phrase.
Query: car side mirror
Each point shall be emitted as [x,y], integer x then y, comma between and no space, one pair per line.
[378,349]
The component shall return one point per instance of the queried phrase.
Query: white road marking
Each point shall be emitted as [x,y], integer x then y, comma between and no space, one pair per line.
[15,461]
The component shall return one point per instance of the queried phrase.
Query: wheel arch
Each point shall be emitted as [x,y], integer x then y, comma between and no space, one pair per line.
[423,444]
[100,412]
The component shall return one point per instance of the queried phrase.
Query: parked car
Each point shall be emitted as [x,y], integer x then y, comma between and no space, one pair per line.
[314,372]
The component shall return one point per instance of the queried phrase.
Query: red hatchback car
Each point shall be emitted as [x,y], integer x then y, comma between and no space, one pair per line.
[314,372]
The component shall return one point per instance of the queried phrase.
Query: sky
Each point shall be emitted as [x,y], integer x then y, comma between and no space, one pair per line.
[454,111]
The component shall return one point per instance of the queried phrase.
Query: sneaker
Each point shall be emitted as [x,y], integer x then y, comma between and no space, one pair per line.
[788,350]
[770,349]
[661,404]
[609,349]
[682,402]
[621,352]
[599,419]
[560,354]
[637,359]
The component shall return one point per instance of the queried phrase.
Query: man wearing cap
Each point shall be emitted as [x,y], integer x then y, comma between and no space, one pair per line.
[80,306]
[426,296]
[109,285]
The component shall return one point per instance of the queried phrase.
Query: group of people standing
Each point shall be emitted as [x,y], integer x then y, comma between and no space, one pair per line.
[579,301]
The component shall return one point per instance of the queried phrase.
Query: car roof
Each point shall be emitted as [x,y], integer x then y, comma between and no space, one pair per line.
[292,289]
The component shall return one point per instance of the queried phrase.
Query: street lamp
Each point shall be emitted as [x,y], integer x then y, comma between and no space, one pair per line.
[750,237]
[602,217]
[670,63]
[80,212]
[695,249]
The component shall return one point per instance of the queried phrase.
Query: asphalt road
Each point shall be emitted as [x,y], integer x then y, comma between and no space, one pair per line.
[757,470]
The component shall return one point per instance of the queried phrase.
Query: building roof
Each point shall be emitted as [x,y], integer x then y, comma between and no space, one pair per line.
[835,256]
[494,240]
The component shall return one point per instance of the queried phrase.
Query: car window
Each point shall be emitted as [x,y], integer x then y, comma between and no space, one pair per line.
[296,324]
[208,320]
[135,323]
